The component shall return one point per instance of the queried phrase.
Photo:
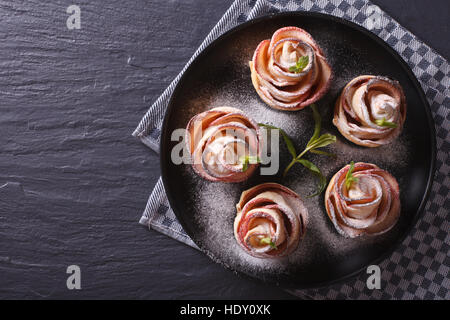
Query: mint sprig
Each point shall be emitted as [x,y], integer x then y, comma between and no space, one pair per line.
[384,123]
[315,171]
[317,141]
[301,64]
[349,178]
[268,240]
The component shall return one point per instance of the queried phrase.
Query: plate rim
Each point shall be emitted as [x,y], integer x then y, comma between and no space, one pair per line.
[430,178]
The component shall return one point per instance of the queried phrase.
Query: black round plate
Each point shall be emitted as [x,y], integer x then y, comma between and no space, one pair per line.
[220,76]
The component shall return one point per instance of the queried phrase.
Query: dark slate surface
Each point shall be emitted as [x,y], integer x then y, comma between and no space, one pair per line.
[73,182]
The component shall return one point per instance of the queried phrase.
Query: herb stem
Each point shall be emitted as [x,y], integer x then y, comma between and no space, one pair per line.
[288,167]
[317,141]
[295,160]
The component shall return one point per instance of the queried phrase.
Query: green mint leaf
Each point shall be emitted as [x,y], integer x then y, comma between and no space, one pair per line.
[245,160]
[323,153]
[323,141]
[384,123]
[254,159]
[289,144]
[308,164]
[268,241]
[316,171]
[287,140]
[317,141]
[349,178]
[301,64]
[245,165]
[317,124]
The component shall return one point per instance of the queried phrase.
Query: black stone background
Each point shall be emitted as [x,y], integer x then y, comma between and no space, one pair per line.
[73,181]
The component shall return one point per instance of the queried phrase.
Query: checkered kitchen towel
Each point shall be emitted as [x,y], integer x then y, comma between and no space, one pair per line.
[419,268]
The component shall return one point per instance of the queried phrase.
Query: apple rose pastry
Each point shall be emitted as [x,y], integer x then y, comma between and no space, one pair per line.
[362,199]
[221,141]
[270,220]
[290,70]
[370,111]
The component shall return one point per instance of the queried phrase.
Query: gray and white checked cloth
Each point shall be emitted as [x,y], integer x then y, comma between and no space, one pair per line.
[419,268]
